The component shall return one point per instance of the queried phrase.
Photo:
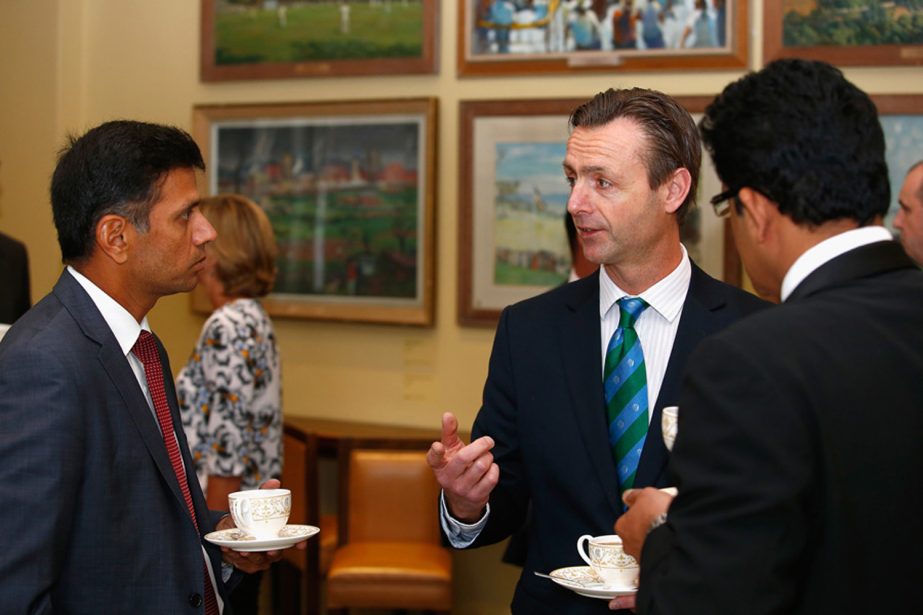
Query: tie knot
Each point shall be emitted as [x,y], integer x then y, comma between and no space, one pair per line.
[629,310]
[145,348]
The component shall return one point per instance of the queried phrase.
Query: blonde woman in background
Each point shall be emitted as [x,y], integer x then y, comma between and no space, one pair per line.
[230,390]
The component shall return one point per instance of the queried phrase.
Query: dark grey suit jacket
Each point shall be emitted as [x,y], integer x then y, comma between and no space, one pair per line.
[800,452]
[92,515]
[543,405]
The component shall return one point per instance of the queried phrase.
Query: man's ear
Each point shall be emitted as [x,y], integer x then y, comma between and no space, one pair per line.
[760,213]
[675,189]
[113,236]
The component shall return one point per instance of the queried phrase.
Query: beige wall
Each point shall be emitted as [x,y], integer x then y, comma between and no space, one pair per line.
[70,64]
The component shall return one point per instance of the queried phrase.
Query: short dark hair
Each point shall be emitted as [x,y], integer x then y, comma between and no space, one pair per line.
[672,138]
[117,167]
[801,134]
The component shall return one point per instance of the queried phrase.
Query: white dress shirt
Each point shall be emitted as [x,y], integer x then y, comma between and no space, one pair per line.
[827,250]
[126,331]
[656,328]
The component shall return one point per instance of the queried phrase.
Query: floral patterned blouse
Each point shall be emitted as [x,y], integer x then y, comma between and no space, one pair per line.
[230,396]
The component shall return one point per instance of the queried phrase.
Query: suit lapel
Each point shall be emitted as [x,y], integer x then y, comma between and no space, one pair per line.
[114,363]
[581,350]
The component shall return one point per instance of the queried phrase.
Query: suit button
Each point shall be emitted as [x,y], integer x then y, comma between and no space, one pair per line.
[195,600]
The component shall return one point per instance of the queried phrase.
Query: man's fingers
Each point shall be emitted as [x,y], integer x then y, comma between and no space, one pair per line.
[449,431]
[435,456]
[467,455]
[629,497]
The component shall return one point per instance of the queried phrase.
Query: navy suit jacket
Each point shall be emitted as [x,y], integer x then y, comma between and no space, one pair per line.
[92,515]
[543,405]
[799,454]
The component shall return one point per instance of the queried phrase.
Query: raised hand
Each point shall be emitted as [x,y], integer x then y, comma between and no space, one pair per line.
[466,473]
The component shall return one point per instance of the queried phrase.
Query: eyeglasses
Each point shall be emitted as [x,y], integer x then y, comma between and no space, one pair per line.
[721,203]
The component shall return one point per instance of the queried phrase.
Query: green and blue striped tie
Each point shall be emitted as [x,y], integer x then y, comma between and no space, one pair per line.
[625,387]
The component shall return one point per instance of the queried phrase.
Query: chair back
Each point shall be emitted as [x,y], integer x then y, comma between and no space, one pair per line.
[393,497]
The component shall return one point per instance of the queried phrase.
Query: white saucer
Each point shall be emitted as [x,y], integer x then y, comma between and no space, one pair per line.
[239,541]
[584,581]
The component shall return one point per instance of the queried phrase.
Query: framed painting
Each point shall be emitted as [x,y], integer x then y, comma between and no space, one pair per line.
[277,39]
[349,189]
[846,32]
[513,199]
[501,37]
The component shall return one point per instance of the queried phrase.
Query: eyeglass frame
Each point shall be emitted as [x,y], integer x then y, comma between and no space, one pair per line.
[721,202]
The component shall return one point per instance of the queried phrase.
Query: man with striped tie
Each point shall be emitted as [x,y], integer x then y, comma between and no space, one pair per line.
[578,376]
[798,454]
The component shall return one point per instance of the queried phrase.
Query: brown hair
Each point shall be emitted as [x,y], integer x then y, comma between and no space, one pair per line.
[672,137]
[245,249]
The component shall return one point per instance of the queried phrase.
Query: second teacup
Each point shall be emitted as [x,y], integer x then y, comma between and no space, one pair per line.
[261,512]
[607,557]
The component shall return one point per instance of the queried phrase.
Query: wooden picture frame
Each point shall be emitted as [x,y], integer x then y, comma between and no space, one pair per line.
[543,37]
[776,31]
[349,187]
[511,240]
[282,39]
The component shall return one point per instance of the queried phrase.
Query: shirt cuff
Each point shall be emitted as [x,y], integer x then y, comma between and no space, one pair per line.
[460,534]
[226,571]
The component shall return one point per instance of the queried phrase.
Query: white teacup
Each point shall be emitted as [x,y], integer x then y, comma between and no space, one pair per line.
[261,513]
[669,421]
[607,557]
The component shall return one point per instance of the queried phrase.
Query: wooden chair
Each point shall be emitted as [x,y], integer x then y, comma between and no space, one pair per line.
[390,555]
[297,577]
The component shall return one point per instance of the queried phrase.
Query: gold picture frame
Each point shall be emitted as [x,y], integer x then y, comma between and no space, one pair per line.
[349,187]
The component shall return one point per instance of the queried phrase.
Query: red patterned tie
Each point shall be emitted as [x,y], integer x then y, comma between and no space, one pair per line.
[146,350]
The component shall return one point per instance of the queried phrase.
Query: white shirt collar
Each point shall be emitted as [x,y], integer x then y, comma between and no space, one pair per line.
[666,296]
[827,250]
[124,326]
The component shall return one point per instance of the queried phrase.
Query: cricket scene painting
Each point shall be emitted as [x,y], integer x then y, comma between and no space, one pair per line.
[248,32]
[345,199]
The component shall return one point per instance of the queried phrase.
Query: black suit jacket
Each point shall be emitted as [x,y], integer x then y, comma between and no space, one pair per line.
[799,454]
[92,514]
[543,405]
[15,297]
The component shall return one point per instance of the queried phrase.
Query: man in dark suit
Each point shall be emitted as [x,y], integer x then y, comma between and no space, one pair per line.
[542,434]
[799,444]
[15,297]
[97,515]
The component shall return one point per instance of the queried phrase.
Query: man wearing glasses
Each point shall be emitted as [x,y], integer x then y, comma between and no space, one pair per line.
[799,448]
[560,428]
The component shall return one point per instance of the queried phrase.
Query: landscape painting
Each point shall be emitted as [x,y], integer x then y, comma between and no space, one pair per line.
[349,198]
[845,32]
[809,23]
[257,39]
[530,243]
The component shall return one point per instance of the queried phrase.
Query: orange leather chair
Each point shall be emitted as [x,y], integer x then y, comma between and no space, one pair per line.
[298,575]
[390,555]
